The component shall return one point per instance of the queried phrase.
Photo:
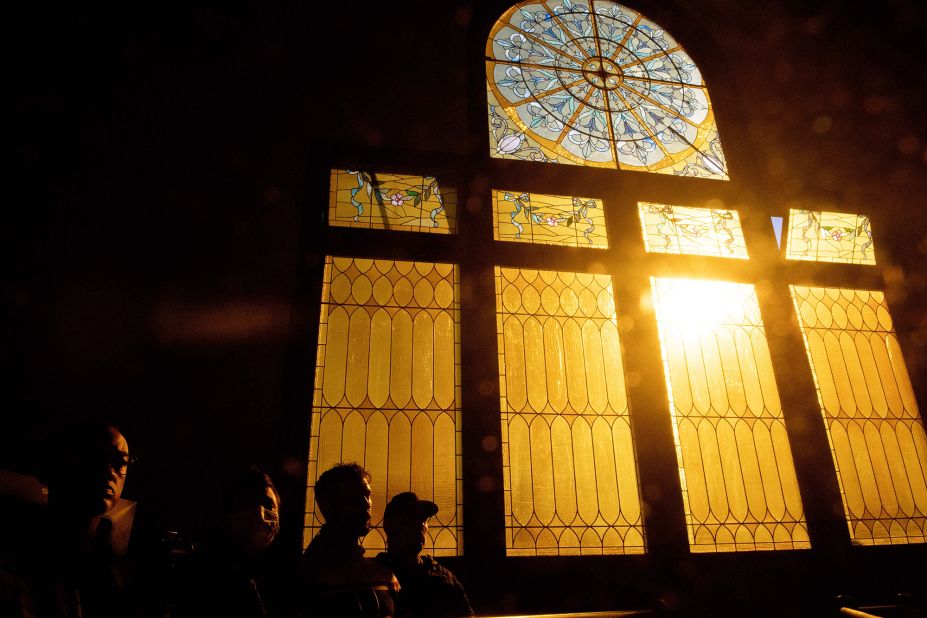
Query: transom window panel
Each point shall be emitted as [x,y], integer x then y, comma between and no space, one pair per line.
[391,202]
[549,219]
[735,464]
[387,388]
[876,433]
[569,466]
[595,83]
[821,236]
[692,231]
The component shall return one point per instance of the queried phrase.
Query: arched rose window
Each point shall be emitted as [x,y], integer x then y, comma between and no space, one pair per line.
[595,83]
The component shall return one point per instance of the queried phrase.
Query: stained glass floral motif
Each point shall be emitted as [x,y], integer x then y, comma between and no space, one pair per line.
[876,434]
[549,219]
[692,231]
[387,388]
[829,237]
[391,202]
[735,464]
[591,82]
[569,466]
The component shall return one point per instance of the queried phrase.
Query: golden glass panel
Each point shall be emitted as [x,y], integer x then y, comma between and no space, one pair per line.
[820,236]
[692,231]
[735,463]
[387,389]
[876,433]
[369,199]
[549,219]
[569,465]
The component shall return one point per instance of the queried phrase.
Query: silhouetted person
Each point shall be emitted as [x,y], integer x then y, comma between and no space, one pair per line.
[66,567]
[220,578]
[427,589]
[338,579]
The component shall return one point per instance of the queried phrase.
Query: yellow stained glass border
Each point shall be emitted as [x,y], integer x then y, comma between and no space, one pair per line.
[426,289]
[874,429]
[732,449]
[564,320]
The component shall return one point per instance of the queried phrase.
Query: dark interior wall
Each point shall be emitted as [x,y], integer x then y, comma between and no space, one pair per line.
[161,189]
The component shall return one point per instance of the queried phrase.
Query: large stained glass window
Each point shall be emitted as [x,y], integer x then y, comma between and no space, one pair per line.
[829,237]
[876,433]
[391,202]
[387,388]
[735,464]
[692,231]
[591,82]
[570,475]
[549,219]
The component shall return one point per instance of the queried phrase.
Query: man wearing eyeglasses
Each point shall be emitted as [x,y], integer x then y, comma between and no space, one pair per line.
[65,566]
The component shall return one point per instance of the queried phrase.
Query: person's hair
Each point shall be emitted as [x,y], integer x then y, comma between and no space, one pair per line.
[337,476]
[246,490]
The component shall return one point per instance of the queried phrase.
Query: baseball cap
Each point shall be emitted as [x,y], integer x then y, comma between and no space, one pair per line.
[407,504]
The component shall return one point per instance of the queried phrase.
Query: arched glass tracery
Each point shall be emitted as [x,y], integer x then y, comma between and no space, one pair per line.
[595,83]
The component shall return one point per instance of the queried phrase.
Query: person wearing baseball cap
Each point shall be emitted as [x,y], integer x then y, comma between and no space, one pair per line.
[427,589]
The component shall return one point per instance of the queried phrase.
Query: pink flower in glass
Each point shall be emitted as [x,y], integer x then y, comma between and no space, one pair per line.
[552,221]
[396,199]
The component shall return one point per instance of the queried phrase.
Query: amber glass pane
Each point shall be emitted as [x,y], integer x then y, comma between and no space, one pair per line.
[570,473]
[391,202]
[692,231]
[387,388]
[829,237]
[549,219]
[876,433]
[735,463]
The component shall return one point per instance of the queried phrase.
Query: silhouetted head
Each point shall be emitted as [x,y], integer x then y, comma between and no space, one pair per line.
[85,468]
[343,496]
[405,521]
[251,506]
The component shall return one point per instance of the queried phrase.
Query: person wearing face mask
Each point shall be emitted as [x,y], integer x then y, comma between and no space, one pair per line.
[221,577]
[66,567]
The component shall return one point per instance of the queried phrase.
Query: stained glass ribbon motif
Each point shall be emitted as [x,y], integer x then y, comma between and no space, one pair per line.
[361,198]
[692,231]
[597,84]
[822,236]
[549,219]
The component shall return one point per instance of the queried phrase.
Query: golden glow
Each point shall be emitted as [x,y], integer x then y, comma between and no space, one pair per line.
[820,236]
[876,434]
[549,219]
[735,463]
[569,468]
[692,231]
[370,199]
[387,388]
